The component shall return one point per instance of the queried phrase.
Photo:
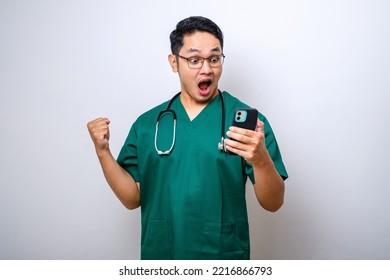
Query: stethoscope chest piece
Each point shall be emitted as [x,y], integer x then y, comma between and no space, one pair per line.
[222,145]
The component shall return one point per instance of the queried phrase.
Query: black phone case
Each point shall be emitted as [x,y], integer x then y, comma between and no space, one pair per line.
[250,121]
[251,118]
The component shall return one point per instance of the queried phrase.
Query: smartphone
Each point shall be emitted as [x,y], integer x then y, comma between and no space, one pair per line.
[245,118]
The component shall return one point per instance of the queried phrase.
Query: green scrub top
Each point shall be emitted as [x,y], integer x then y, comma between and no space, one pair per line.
[193,200]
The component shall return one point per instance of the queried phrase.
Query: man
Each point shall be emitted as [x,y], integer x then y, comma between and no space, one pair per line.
[192,195]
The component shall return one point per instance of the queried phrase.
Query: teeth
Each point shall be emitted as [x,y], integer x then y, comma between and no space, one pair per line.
[205,83]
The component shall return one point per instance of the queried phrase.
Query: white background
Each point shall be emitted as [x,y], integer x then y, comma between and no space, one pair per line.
[319,70]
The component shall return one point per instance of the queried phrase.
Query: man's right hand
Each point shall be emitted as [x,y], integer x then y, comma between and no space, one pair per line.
[100,133]
[120,181]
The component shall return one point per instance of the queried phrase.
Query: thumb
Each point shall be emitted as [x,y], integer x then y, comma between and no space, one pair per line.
[260,126]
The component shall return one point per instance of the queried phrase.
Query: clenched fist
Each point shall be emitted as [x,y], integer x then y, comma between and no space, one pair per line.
[100,133]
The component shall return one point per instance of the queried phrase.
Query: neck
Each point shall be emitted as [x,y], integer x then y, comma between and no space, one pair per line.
[192,106]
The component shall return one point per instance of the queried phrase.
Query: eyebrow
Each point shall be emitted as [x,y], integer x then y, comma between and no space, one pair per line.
[193,50]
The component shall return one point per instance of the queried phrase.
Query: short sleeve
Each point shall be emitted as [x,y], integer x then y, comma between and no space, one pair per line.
[128,158]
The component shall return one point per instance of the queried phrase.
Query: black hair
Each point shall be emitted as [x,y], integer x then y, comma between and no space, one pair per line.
[190,25]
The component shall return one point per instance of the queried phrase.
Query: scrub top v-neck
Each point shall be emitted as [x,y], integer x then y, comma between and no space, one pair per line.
[192,200]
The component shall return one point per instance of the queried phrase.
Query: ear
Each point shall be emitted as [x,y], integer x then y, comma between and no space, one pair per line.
[173,62]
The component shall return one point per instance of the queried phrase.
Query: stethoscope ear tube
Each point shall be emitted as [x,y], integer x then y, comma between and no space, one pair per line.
[165,111]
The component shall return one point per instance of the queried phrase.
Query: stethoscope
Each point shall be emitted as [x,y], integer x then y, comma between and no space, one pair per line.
[168,110]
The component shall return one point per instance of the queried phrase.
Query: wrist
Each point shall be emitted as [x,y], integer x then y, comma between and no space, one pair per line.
[102,153]
[263,162]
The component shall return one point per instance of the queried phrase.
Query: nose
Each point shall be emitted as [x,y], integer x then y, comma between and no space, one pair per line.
[206,68]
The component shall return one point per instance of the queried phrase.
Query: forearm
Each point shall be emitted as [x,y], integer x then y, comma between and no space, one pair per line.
[269,186]
[120,181]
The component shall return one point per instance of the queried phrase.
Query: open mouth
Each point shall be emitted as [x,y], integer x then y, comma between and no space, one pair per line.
[204,87]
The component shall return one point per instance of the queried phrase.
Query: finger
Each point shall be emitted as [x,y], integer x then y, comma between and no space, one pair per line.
[241,131]
[237,148]
[241,134]
[232,146]
[98,121]
[236,136]
[107,120]
[99,128]
[260,126]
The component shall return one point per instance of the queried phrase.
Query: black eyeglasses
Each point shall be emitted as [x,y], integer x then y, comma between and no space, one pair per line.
[196,62]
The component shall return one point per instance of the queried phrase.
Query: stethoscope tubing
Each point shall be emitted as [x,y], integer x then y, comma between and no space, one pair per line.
[168,110]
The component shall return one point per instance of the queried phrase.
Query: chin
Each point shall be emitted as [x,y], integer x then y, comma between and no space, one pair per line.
[205,98]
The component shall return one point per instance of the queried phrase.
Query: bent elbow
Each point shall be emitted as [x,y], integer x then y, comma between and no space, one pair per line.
[131,205]
[274,207]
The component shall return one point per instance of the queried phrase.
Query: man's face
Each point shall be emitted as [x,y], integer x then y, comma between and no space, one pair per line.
[201,85]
